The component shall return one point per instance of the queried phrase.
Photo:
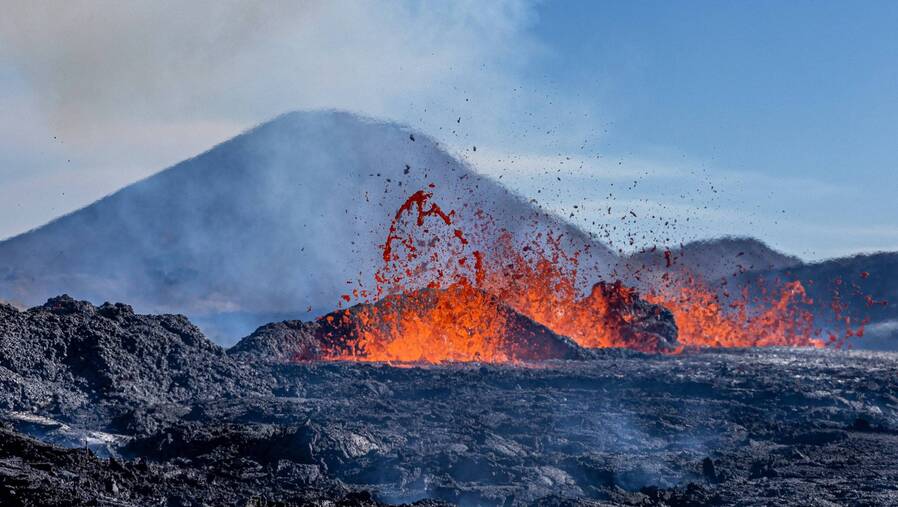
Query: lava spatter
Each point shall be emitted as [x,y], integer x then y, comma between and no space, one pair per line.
[541,278]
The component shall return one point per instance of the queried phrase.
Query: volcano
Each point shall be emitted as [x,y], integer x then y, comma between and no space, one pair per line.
[283,220]
[461,347]
[270,223]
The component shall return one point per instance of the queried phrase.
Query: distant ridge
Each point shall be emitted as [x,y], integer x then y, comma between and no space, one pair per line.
[712,259]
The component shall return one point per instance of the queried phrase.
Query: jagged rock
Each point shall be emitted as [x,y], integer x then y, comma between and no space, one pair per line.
[33,473]
[68,355]
[285,341]
[640,324]
[722,427]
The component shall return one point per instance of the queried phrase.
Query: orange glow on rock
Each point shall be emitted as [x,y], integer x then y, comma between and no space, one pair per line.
[459,323]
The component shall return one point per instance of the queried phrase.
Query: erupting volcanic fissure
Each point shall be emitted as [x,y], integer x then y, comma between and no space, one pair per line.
[778,317]
[452,321]
[441,299]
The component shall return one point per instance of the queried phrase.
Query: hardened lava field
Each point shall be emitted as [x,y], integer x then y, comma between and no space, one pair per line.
[173,419]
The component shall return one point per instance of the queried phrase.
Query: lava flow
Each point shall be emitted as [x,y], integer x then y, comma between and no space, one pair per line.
[540,280]
[461,316]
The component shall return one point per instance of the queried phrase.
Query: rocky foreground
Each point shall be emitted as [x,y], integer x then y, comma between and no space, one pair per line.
[100,406]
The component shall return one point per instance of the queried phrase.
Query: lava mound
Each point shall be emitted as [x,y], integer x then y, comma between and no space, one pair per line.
[429,325]
[456,324]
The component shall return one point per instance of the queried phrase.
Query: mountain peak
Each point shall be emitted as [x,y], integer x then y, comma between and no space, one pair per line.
[273,221]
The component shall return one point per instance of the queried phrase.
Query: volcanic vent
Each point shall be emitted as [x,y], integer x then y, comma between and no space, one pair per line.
[456,324]
[447,293]
[437,299]
[428,325]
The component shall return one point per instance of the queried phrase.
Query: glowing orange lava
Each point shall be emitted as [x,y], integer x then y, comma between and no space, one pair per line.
[540,281]
[453,321]
[464,317]
[459,323]
[779,318]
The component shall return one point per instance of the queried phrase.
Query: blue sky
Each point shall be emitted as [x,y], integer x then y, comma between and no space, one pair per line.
[787,105]
[770,119]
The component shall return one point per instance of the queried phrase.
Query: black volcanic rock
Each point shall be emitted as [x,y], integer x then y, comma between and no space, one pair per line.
[643,325]
[719,427]
[280,342]
[67,356]
[36,474]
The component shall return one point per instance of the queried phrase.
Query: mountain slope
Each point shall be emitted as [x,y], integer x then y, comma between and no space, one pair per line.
[712,259]
[272,222]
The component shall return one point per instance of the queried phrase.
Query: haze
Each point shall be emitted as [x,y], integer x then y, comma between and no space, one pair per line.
[743,120]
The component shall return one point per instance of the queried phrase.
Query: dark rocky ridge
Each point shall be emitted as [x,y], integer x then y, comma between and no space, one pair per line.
[744,262]
[67,357]
[854,278]
[717,427]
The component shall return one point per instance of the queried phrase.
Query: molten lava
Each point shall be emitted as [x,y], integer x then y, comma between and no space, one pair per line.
[459,323]
[453,321]
[540,281]
[778,318]
[462,317]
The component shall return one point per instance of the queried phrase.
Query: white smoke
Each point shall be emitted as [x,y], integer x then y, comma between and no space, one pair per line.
[102,93]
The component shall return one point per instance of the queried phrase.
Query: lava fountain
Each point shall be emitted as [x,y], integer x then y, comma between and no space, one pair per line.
[463,315]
